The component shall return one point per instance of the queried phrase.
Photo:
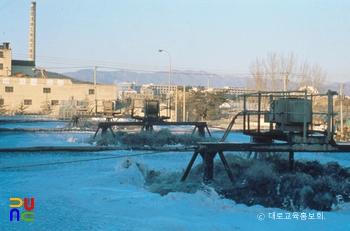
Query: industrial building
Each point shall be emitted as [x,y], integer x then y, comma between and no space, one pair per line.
[26,89]
[54,96]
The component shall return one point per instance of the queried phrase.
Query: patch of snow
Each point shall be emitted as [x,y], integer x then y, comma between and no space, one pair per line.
[174,145]
[71,139]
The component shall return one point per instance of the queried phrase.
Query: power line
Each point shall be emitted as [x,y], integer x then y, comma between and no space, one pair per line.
[3,6]
[69,63]
[78,63]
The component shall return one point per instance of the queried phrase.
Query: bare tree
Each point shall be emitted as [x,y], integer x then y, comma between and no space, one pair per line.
[288,65]
[270,74]
[257,69]
[304,76]
[313,76]
[318,77]
[272,70]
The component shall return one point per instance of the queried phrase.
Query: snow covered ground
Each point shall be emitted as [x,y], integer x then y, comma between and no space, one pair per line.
[106,191]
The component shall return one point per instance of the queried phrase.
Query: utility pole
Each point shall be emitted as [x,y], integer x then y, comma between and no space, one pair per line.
[341,97]
[95,69]
[347,115]
[184,104]
[285,82]
[176,100]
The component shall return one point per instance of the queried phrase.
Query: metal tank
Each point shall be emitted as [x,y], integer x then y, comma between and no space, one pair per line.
[290,114]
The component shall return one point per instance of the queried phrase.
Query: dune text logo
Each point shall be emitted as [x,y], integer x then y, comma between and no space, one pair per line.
[27,215]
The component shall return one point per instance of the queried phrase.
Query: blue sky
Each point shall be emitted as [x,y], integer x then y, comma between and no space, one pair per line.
[217,36]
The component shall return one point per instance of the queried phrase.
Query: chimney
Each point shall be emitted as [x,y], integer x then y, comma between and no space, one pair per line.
[32,32]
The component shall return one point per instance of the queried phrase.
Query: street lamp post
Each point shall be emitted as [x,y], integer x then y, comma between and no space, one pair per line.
[95,90]
[169,78]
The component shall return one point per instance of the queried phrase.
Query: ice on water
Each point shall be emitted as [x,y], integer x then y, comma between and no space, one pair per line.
[113,193]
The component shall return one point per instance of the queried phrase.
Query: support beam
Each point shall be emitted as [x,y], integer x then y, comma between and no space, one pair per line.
[201,131]
[227,167]
[208,131]
[208,166]
[104,130]
[190,164]
[110,128]
[291,161]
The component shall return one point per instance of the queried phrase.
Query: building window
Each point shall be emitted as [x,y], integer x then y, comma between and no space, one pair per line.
[8,89]
[27,102]
[2,102]
[91,91]
[1,54]
[54,102]
[1,66]
[47,90]
[82,103]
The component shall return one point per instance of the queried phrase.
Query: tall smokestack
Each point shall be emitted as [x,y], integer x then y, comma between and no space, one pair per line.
[32,32]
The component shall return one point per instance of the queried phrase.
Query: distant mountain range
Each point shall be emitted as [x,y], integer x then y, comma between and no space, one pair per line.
[188,78]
